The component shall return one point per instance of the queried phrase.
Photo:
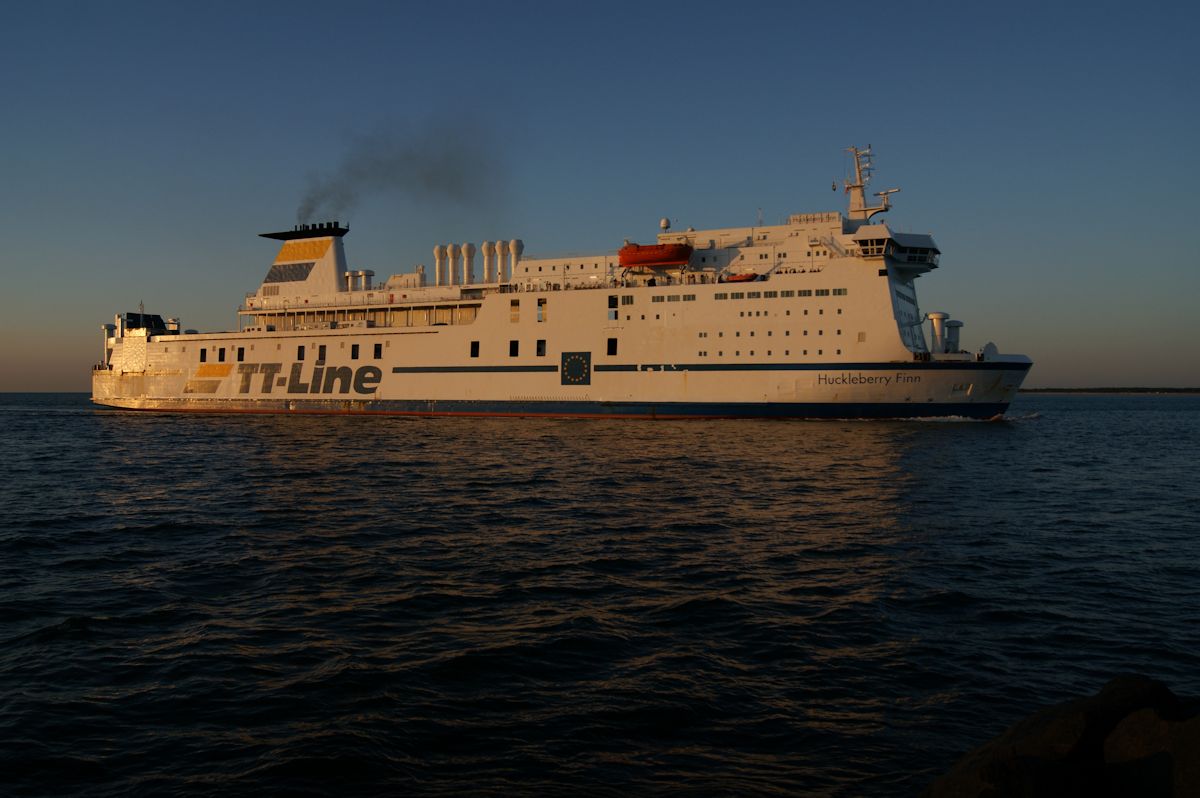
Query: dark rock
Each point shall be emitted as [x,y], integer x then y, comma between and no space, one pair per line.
[1140,734]
[1132,738]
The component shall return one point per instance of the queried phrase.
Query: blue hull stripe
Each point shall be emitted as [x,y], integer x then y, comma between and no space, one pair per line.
[907,366]
[469,369]
[578,409]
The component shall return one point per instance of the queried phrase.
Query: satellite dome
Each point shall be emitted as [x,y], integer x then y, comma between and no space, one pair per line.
[664,223]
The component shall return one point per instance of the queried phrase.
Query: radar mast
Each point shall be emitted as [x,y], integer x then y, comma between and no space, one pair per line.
[863,167]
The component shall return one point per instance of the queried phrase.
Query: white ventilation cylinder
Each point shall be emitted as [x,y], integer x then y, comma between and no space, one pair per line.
[515,248]
[489,251]
[952,334]
[439,262]
[937,326]
[501,255]
[452,260]
[468,263]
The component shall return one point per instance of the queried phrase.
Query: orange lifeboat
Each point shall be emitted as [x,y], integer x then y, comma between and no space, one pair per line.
[654,256]
[749,277]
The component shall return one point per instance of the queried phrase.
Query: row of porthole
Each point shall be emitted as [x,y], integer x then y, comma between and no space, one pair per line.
[786,352]
[738,333]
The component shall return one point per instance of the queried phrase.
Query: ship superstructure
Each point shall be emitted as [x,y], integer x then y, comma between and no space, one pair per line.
[815,317]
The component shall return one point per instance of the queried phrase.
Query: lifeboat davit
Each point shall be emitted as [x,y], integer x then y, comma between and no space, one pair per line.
[635,256]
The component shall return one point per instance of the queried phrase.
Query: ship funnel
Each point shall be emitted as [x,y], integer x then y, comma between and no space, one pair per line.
[439,263]
[489,250]
[515,248]
[501,254]
[937,325]
[468,263]
[952,330]
[452,258]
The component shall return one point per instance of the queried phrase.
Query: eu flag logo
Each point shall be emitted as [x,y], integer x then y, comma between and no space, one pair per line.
[576,368]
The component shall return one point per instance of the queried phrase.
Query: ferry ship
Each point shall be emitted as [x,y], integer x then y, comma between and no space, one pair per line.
[817,317]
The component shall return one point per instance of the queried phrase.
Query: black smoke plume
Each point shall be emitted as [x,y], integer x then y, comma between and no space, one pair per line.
[437,163]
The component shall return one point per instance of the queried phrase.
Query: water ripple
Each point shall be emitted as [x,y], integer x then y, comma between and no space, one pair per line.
[440,606]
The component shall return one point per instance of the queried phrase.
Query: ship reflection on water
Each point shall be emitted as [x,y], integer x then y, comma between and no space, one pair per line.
[552,585]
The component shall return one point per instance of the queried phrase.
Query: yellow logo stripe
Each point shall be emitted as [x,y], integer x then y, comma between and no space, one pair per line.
[305,249]
[213,370]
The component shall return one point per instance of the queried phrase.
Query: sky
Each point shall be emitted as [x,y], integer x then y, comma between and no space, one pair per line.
[1047,147]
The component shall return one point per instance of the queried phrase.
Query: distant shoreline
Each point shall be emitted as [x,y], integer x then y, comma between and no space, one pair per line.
[1129,391]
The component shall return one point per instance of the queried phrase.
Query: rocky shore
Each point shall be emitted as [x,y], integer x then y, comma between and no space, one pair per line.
[1133,738]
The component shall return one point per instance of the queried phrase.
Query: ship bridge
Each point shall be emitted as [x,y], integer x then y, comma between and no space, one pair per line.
[911,253]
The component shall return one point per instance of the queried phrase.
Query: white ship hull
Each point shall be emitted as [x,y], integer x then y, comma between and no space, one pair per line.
[825,326]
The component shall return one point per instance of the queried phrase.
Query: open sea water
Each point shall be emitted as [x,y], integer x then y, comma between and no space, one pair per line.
[347,605]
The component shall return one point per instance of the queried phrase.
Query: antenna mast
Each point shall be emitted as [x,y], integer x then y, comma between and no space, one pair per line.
[864,166]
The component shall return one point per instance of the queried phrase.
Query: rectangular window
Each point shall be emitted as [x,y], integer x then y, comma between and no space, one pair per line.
[822,292]
[804,292]
[770,294]
[627,299]
[689,297]
[720,296]
[612,300]
[474,349]
[612,346]
[241,353]
[378,351]
[787,293]
[839,292]
[221,355]
[541,310]
[656,299]
[673,298]
[514,348]
[514,310]
[300,352]
[737,295]
[541,347]
[321,353]
[754,295]
[354,351]
[203,354]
